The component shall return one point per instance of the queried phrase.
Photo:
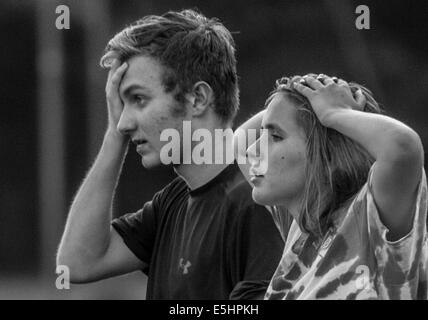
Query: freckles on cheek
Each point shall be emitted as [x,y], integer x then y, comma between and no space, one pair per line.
[279,164]
[160,123]
[292,160]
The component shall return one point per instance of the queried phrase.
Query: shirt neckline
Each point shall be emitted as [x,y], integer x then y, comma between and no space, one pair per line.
[226,171]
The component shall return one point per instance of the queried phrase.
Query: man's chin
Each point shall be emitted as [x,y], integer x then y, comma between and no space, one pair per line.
[150,162]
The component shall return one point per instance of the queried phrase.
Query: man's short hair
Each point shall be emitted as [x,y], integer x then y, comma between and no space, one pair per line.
[191,48]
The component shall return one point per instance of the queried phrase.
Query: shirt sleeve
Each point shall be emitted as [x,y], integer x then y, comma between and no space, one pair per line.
[401,263]
[255,251]
[138,229]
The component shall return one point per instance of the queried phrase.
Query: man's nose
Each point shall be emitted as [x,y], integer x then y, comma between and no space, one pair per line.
[126,123]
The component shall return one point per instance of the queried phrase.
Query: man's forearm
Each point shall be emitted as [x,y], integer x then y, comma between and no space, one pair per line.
[87,232]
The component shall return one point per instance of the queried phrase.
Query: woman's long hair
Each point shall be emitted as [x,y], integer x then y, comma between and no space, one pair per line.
[336,167]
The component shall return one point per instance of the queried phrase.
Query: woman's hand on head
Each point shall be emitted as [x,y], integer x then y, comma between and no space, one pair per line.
[329,95]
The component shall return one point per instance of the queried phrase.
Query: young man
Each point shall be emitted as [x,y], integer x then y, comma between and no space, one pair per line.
[202,236]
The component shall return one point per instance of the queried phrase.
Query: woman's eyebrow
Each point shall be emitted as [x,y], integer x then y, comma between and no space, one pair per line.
[272,126]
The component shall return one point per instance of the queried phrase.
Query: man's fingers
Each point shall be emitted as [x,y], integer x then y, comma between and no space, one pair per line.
[307,92]
[115,64]
[118,74]
[112,88]
[113,67]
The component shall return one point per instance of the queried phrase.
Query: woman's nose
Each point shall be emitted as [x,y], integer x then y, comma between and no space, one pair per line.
[251,152]
[257,154]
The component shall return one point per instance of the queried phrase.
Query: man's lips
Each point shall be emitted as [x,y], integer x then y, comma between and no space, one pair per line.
[139,141]
[141,145]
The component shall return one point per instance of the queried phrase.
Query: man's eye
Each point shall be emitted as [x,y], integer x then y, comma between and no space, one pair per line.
[138,98]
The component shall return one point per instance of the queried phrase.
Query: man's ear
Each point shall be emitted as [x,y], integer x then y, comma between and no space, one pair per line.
[201,97]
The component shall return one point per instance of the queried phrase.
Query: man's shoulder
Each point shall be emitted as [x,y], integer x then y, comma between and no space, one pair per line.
[246,217]
[240,191]
[238,188]
[238,194]
[176,188]
[176,184]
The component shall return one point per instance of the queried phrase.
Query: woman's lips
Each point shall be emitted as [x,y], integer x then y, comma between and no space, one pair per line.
[255,180]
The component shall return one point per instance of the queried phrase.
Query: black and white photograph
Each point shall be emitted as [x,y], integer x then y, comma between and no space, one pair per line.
[213,150]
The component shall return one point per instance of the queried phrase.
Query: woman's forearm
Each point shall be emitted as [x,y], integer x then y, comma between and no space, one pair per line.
[244,136]
[383,137]
[255,122]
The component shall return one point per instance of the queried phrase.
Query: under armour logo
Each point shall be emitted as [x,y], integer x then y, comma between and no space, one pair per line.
[183,266]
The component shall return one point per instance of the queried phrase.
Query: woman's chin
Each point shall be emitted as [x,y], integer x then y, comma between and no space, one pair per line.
[261,197]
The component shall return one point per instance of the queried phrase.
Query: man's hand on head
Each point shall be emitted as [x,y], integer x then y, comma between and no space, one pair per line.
[114,103]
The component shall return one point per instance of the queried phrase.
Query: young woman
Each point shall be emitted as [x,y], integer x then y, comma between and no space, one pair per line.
[351,183]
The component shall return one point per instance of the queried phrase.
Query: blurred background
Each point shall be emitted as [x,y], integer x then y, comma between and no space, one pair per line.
[53,113]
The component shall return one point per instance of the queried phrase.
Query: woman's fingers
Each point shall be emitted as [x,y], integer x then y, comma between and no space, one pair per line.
[360,99]
[324,85]
[342,82]
[305,90]
[313,83]
[321,77]
[333,80]
[329,81]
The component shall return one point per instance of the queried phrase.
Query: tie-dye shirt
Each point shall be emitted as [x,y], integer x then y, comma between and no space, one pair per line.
[355,260]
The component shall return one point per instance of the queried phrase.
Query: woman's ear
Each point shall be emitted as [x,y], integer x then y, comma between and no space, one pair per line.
[201,97]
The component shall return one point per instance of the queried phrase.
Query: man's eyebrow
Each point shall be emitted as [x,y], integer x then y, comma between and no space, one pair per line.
[131,87]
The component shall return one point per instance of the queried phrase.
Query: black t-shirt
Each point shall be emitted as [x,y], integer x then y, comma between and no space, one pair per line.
[213,242]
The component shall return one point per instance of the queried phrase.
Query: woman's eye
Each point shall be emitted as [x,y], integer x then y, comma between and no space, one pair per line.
[276,137]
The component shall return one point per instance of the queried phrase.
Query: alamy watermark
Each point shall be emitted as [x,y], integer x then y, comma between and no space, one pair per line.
[63,19]
[363,20]
[63,279]
[363,280]
[202,147]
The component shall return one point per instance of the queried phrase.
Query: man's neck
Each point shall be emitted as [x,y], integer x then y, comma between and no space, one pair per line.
[196,175]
